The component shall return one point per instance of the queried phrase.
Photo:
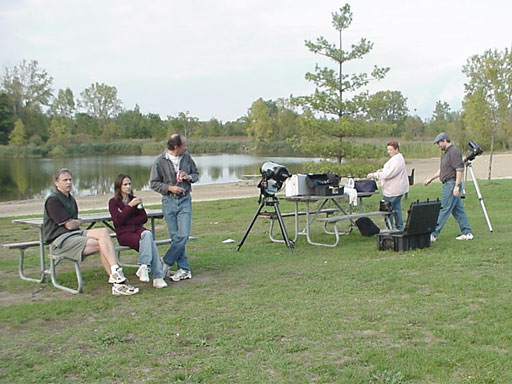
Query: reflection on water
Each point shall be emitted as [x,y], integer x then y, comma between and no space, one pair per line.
[22,179]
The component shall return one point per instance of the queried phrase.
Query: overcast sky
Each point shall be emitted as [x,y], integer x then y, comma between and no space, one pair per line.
[214,58]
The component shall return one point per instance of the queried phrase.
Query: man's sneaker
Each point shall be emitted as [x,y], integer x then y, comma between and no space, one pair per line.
[181,274]
[123,290]
[432,238]
[143,273]
[117,277]
[468,236]
[159,283]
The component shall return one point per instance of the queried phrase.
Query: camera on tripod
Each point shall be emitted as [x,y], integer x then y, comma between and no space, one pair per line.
[473,151]
[273,177]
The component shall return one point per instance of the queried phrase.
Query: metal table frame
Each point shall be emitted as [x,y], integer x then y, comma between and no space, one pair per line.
[312,216]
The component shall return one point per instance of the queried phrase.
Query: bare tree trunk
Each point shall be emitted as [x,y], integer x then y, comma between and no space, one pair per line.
[492,152]
[340,114]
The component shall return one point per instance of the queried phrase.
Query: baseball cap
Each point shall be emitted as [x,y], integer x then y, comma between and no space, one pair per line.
[441,136]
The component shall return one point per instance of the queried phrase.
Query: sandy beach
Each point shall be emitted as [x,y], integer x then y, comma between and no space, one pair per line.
[423,168]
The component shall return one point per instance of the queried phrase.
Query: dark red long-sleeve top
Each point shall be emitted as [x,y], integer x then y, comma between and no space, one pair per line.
[127,222]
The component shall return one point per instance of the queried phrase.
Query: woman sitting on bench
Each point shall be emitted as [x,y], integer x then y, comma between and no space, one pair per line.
[128,216]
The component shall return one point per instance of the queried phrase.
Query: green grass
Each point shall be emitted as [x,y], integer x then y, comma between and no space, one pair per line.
[351,314]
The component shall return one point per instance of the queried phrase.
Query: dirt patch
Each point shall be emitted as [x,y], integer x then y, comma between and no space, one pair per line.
[39,293]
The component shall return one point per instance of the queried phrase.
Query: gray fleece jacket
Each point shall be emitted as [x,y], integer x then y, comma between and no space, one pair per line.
[163,175]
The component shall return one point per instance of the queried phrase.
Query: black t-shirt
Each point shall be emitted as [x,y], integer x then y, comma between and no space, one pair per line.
[451,162]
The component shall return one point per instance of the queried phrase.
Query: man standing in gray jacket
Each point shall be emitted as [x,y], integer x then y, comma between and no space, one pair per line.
[172,174]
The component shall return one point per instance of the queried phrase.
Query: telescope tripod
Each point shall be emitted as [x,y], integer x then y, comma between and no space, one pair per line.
[269,201]
[478,193]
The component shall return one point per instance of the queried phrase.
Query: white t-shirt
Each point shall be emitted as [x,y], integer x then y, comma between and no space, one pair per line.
[175,160]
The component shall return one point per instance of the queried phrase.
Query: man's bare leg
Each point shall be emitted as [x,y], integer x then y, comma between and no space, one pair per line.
[100,241]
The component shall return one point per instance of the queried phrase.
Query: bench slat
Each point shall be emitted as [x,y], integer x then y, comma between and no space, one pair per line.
[273,215]
[335,219]
[24,245]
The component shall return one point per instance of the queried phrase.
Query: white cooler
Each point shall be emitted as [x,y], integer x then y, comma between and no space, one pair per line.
[297,186]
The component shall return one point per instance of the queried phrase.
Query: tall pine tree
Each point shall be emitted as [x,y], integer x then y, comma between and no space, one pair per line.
[336,94]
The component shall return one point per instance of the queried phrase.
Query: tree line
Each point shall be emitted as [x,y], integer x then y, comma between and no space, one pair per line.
[332,122]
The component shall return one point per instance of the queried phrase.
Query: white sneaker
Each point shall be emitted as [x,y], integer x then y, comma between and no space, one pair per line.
[159,283]
[123,290]
[468,236]
[143,273]
[117,277]
[181,274]
[432,238]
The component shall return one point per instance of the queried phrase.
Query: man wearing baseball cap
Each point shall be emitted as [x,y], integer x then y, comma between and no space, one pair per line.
[450,174]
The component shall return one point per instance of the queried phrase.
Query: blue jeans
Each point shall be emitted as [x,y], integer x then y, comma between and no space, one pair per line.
[451,205]
[148,254]
[178,215]
[396,203]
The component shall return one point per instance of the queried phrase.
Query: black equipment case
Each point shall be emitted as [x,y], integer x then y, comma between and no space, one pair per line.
[365,185]
[324,184]
[421,222]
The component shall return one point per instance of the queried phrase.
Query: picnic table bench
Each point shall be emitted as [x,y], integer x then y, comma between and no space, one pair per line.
[334,220]
[22,247]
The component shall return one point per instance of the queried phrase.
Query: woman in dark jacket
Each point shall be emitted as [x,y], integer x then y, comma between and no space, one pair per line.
[128,216]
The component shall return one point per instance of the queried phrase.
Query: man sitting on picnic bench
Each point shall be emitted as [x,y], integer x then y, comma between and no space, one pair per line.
[61,229]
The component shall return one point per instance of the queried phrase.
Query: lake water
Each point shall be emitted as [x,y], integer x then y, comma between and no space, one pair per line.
[22,179]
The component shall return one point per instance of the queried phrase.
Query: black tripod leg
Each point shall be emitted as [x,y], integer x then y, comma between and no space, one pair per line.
[262,204]
[287,240]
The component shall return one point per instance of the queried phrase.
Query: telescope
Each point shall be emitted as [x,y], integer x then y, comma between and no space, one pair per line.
[273,177]
[473,151]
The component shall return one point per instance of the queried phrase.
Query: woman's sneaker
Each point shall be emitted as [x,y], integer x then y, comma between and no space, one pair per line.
[181,274]
[159,283]
[117,277]
[143,273]
[123,290]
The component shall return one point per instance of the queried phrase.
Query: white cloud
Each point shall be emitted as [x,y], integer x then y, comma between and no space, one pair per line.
[216,58]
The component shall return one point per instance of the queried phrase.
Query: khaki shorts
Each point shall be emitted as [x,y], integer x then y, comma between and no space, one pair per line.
[70,245]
